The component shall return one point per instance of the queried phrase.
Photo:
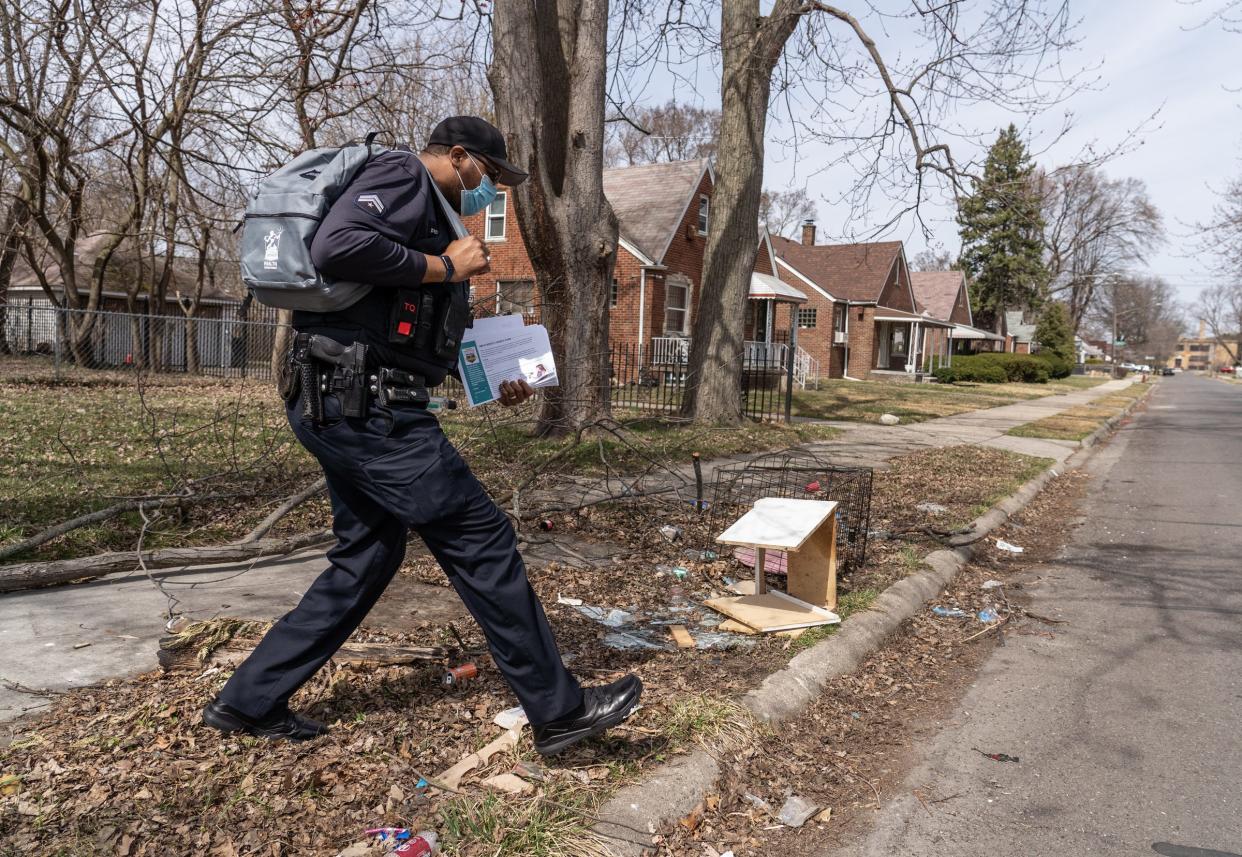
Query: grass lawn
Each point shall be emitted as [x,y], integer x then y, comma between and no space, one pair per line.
[1077,423]
[865,401]
[72,448]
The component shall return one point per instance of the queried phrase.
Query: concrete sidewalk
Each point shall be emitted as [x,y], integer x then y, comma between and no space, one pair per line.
[872,445]
[121,617]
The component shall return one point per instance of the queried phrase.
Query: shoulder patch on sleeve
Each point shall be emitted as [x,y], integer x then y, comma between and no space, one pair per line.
[371,203]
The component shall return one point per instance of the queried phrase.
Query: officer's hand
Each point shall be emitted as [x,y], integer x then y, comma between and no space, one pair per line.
[515,392]
[469,257]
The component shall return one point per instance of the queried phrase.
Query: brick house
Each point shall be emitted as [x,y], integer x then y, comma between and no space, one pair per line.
[945,297]
[663,211]
[861,319]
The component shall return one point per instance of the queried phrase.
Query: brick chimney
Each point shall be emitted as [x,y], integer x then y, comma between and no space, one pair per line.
[808,233]
[1202,323]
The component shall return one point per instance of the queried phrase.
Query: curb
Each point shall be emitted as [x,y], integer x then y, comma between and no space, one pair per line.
[671,791]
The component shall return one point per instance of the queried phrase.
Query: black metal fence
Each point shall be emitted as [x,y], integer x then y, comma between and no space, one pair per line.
[647,382]
[237,341]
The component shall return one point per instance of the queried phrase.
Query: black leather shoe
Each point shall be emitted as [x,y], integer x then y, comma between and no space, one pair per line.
[290,726]
[601,709]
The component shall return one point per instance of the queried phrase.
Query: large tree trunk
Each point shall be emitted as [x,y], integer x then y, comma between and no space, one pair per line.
[548,81]
[751,45]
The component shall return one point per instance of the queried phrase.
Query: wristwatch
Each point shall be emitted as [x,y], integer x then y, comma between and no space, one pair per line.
[448,269]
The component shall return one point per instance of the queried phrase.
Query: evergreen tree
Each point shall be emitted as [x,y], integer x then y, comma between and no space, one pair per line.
[1001,230]
[1053,332]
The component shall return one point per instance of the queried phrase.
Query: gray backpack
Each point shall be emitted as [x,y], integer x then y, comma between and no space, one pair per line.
[281,220]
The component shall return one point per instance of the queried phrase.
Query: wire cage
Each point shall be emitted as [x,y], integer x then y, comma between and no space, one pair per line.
[798,474]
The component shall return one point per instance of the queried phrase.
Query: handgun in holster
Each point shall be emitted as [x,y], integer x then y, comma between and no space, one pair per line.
[345,374]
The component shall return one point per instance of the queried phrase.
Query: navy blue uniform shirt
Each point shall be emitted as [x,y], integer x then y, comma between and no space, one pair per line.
[377,233]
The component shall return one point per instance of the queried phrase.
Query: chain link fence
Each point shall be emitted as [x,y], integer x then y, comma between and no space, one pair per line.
[236,340]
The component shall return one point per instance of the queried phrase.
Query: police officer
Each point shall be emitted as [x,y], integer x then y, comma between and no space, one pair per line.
[388,465]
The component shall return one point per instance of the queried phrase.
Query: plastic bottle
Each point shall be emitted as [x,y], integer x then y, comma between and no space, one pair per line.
[425,843]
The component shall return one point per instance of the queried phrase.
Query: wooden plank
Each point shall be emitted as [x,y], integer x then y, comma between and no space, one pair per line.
[681,636]
[736,627]
[778,523]
[772,611]
[813,568]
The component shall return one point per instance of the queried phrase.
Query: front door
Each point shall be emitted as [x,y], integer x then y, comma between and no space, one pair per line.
[898,347]
[762,310]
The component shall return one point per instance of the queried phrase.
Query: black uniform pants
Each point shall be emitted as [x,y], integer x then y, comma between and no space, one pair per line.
[388,473]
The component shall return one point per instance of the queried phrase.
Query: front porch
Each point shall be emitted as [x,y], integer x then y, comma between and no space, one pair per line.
[909,346]
[669,355]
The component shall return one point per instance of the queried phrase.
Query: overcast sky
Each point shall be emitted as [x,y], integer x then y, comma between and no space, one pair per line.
[1148,56]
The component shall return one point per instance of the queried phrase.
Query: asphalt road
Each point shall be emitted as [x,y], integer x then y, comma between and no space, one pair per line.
[1128,723]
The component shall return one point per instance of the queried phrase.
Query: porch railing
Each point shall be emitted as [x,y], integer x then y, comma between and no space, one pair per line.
[672,352]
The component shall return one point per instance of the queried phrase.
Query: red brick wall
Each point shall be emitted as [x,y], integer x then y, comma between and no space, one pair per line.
[685,256]
[862,341]
[508,256]
[961,307]
[818,341]
[896,291]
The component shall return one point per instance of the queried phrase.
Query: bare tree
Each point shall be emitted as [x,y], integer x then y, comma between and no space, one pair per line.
[1007,55]
[935,258]
[660,134]
[46,134]
[783,211]
[1139,310]
[1093,227]
[1220,307]
[548,81]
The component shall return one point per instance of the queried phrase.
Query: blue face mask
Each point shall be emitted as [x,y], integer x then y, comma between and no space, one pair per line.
[475,200]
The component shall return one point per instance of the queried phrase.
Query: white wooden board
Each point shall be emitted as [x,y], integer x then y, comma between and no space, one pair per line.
[778,523]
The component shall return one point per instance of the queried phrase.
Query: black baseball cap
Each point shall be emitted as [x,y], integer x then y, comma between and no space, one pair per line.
[479,137]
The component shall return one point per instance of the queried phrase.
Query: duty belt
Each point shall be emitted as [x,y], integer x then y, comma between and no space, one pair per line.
[320,365]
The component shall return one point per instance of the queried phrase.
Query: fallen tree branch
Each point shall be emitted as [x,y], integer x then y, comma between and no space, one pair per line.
[283,509]
[79,522]
[27,574]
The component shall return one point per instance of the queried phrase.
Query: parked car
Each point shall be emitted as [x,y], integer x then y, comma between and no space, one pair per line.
[1227,370]
[1167,370]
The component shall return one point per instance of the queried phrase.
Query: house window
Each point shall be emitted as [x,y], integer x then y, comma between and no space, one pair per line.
[807,317]
[515,296]
[613,293]
[676,307]
[496,218]
[704,205]
[838,318]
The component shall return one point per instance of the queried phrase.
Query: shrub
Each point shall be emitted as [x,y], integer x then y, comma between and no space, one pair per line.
[1058,367]
[996,368]
[964,370]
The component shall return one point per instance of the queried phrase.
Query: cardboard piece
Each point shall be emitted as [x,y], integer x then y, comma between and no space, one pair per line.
[773,611]
[681,636]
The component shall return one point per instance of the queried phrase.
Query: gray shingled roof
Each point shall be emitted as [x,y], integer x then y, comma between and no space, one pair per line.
[650,199]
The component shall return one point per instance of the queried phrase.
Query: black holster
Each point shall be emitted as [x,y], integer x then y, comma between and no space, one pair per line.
[342,371]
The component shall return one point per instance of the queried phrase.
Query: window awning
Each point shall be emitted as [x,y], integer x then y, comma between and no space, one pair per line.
[963,331]
[765,287]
